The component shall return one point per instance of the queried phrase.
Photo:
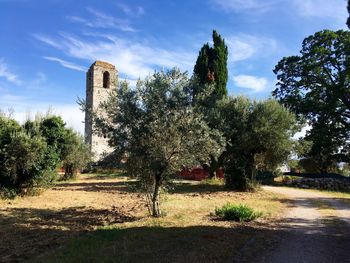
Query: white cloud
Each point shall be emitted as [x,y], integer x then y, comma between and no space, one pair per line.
[335,9]
[133,59]
[250,82]
[66,64]
[46,40]
[103,20]
[243,46]
[241,5]
[9,76]
[134,12]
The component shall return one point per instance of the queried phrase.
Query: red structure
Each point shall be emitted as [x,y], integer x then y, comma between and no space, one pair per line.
[199,174]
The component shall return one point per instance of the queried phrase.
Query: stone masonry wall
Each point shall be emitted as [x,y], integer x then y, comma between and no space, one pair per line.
[95,94]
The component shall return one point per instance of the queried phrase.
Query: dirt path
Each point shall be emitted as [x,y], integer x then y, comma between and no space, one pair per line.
[316,228]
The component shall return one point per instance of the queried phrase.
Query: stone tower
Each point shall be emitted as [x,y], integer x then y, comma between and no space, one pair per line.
[101,78]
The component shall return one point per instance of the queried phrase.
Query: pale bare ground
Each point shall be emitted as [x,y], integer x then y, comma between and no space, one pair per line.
[316,228]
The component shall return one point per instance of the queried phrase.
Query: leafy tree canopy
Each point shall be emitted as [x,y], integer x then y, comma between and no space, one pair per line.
[259,137]
[155,130]
[316,86]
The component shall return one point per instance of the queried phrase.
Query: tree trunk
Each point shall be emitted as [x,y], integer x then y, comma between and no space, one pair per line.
[251,170]
[212,167]
[68,171]
[156,212]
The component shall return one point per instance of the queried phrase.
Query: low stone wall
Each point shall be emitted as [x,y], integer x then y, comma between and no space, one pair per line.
[329,184]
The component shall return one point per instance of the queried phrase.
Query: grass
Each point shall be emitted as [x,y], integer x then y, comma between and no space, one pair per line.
[240,213]
[102,218]
[212,181]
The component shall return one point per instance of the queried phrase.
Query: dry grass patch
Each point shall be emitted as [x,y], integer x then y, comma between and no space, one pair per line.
[103,217]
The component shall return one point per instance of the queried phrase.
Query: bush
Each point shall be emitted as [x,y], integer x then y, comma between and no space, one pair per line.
[30,154]
[25,160]
[7,193]
[240,213]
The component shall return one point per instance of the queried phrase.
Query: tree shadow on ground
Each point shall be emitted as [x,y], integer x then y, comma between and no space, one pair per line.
[70,235]
[195,187]
[239,243]
[27,232]
[107,187]
[133,186]
[104,176]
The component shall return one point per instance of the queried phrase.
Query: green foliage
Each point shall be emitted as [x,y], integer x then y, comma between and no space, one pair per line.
[21,156]
[240,213]
[315,85]
[348,21]
[157,129]
[75,154]
[211,67]
[30,154]
[268,177]
[209,87]
[7,193]
[52,128]
[236,176]
[259,138]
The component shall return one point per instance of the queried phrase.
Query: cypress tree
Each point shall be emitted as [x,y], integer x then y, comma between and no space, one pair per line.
[211,66]
[348,22]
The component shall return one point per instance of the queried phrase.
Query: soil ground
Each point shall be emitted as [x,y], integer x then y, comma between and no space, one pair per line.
[103,218]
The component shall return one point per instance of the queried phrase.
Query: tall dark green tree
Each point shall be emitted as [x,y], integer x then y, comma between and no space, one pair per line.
[348,22]
[316,86]
[211,67]
[209,86]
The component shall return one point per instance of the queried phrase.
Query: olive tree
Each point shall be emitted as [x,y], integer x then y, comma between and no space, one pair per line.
[154,129]
[75,153]
[259,137]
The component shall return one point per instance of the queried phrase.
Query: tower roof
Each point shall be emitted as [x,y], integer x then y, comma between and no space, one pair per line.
[103,64]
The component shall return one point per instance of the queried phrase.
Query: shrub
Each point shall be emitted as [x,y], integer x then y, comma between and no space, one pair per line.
[7,193]
[241,213]
[25,160]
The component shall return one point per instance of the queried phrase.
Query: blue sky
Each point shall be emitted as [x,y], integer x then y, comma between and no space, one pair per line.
[47,46]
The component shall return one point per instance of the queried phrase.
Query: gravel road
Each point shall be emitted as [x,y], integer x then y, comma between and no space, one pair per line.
[316,228]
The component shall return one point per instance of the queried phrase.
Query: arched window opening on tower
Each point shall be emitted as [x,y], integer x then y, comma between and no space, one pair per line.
[106,79]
